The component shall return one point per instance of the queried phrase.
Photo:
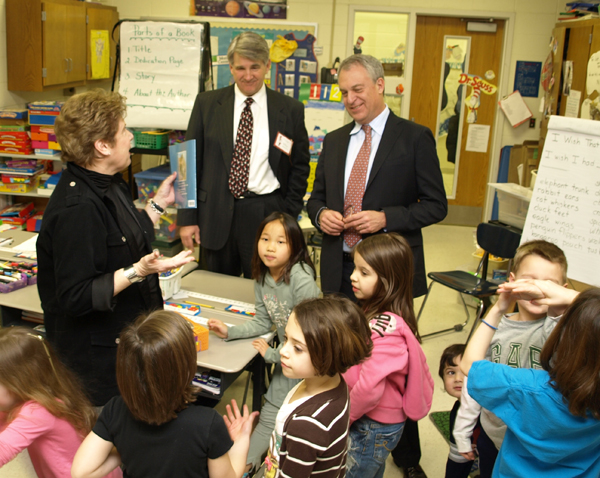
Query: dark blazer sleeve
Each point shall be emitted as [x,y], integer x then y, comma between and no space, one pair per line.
[432,205]
[327,189]
[299,159]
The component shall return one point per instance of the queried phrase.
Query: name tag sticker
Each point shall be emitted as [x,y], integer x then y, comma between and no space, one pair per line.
[284,144]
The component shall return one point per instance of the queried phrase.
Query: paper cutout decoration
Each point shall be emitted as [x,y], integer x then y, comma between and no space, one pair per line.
[593,74]
[282,48]
[477,85]
[547,73]
[100,45]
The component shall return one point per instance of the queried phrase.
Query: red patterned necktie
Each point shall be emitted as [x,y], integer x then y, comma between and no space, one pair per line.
[356,186]
[240,163]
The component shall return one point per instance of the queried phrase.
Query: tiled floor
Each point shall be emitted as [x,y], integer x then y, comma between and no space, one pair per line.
[446,248]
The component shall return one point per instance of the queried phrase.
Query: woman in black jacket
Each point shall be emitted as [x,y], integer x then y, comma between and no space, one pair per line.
[97,269]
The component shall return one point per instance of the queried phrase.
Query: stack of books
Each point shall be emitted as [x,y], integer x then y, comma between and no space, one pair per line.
[19,175]
[42,116]
[580,11]
[17,214]
[14,132]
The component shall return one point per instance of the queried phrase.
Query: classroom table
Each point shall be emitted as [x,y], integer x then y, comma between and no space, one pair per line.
[27,298]
[233,357]
[229,358]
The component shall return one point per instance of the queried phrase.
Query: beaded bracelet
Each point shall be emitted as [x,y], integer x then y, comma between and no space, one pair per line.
[489,325]
[156,208]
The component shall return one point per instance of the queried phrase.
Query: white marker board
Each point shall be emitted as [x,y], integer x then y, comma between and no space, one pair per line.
[565,205]
[160,70]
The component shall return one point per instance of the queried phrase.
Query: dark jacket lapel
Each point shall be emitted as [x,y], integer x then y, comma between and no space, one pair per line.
[276,124]
[391,133]
[224,117]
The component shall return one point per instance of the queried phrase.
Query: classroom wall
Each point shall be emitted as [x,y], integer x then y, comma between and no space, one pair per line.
[534,20]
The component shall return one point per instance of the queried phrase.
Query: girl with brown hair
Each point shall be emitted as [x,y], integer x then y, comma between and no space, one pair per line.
[394,383]
[151,428]
[42,405]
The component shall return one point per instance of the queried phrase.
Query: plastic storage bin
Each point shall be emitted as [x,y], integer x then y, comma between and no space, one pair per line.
[152,139]
[149,181]
[165,230]
[513,203]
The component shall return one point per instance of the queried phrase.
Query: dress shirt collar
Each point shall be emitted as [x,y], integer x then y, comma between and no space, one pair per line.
[378,124]
[260,97]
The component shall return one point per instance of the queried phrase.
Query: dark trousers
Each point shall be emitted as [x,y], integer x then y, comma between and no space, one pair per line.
[235,257]
[346,289]
[408,451]
[487,452]
[458,470]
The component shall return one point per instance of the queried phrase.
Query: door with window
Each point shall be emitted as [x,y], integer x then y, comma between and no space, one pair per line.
[454,91]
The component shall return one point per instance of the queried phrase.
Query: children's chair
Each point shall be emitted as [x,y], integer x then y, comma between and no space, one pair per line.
[496,239]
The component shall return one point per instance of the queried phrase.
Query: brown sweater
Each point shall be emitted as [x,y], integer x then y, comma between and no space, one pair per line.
[315,436]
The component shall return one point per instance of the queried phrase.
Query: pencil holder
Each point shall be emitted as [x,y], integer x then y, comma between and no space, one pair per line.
[170,282]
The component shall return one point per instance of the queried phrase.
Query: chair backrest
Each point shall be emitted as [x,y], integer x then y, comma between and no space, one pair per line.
[500,241]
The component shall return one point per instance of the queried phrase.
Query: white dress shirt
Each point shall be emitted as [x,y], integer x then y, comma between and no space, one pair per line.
[261,178]
[357,138]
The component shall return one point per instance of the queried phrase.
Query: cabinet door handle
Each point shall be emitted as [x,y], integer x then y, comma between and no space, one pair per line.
[67,68]
[71,63]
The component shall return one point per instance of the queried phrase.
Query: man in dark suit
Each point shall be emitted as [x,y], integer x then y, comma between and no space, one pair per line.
[402,190]
[237,190]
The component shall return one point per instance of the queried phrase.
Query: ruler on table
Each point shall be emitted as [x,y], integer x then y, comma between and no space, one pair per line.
[244,305]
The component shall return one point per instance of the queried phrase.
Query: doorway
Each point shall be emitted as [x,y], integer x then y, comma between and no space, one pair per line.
[454,93]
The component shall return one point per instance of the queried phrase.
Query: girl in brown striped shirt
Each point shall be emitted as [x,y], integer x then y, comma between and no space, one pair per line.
[324,337]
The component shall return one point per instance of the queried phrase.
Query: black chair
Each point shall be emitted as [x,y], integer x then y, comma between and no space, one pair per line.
[498,240]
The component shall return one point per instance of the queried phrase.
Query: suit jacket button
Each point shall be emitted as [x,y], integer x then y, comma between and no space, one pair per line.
[123,239]
[72,183]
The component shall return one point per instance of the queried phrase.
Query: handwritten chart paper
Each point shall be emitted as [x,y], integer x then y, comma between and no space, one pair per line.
[565,205]
[160,68]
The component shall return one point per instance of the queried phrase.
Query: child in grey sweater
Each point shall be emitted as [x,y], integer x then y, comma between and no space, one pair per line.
[284,276]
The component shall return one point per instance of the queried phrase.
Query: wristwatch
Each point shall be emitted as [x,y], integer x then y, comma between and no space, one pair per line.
[131,275]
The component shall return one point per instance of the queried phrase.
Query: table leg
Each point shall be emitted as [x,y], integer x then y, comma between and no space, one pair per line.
[258,382]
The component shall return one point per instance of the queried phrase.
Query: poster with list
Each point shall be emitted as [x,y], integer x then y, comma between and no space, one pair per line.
[160,69]
[565,205]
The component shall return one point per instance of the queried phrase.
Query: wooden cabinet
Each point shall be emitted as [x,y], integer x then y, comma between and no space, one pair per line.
[576,42]
[48,42]
[63,43]
[102,18]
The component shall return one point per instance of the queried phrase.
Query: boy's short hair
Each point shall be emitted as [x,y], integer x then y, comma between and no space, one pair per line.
[448,356]
[336,331]
[544,249]
[156,362]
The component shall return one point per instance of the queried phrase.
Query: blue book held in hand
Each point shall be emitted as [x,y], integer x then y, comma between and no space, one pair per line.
[183,161]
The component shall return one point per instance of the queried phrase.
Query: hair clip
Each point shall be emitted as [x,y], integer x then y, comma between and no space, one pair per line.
[41,339]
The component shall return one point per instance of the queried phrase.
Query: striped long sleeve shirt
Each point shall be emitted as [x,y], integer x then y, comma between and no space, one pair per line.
[315,436]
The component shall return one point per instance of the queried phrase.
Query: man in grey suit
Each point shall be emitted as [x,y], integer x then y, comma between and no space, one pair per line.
[276,169]
[402,191]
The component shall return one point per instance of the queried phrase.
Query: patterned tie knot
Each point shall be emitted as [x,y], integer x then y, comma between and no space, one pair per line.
[367,129]
[249,102]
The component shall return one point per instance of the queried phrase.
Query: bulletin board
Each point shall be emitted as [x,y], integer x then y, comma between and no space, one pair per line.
[223,31]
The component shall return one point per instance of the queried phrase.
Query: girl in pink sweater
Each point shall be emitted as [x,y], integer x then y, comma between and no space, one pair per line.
[42,406]
[394,383]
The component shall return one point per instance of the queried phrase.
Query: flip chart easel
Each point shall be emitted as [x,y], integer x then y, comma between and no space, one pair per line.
[565,205]
[160,69]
